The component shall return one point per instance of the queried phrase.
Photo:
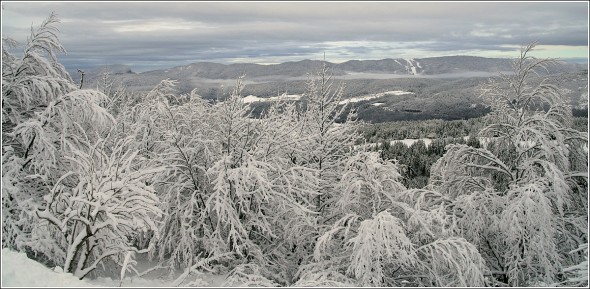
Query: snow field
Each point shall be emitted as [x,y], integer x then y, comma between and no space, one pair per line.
[20,271]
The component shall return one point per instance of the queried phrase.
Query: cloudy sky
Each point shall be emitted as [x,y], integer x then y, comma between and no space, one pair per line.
[152,35]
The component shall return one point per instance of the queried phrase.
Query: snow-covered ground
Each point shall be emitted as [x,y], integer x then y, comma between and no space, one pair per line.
[374,96]
[20,271]
[254,98]
[427,141]
[411,141]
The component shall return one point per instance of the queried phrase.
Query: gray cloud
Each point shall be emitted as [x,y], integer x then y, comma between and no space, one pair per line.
[149,35]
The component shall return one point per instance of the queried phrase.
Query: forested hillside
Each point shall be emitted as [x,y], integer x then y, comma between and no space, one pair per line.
[294,195]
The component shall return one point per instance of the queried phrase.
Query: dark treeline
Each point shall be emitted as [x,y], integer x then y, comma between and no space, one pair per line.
[434,128]
[581,123]
[416,159]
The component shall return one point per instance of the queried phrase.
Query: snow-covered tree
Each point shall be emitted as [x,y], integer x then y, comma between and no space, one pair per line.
[119,97]
[326,138]
[99,207]
[71,195]
[229,184]
[523,198]
[361,237]
[329,141]
[577,275]
[236,184]
[177,138]
[44,118]
[261,197]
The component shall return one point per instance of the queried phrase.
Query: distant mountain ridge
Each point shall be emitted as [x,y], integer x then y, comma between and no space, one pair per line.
[213,79]
[414,66]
